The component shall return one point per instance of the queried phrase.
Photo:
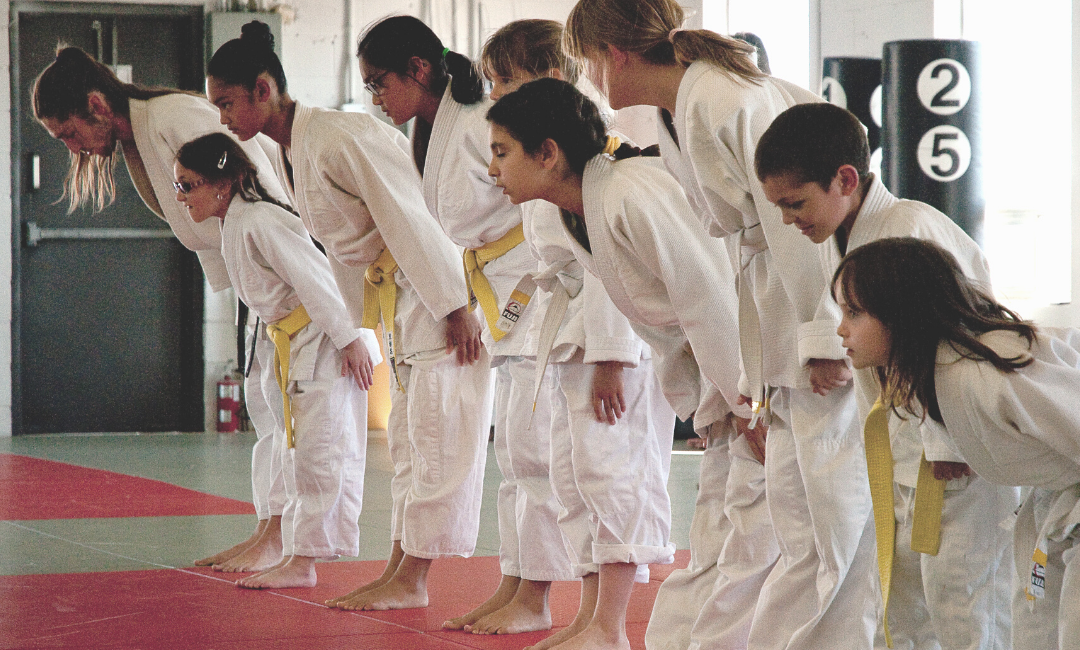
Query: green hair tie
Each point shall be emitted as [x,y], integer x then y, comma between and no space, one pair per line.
[444,51]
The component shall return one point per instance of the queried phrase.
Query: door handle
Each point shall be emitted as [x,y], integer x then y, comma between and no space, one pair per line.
[34,234]
[35,172]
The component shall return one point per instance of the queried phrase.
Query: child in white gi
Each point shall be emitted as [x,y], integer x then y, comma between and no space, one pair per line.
[611,427]
[813,163]
[314,360]
[358,193]
[629,225]
[714,103]
[1003,394]
[412,75]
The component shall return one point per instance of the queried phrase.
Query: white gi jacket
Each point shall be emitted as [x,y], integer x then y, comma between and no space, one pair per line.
[275,267]
[358,192]
[1020,428]
[161,126]
[718,121]
[883,215]
[592,323]
[471,208]
[665,274]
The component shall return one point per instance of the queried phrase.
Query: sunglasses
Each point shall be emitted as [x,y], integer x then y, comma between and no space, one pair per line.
[184,187]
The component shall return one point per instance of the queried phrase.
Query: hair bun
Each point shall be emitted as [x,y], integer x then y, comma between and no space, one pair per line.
[257,33]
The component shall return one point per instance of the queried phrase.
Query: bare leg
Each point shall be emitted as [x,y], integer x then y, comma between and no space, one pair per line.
[527,611]
[230,553]
[589,588]
[405,589]
[260,556]
[607,630]
[295,571]
[502,596]
[396,555]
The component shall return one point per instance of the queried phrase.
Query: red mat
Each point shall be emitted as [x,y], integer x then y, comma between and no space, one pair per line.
[198,609]
[31,488]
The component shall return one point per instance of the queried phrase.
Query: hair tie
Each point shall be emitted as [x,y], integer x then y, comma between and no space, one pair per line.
[445,50]
[221,161]
[671,34]
[612,145]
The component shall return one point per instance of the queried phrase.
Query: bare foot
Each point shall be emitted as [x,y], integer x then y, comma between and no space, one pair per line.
[528,611]
[392,595]
[297,571]
[562,636]
[260,556]
[230,553]
[593,638]
[501,598]
[407,588]
[396,555]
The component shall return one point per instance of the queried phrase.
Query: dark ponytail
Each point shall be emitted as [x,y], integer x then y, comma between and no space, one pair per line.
[391,43]
[550,108]
[239,62]
[216,157]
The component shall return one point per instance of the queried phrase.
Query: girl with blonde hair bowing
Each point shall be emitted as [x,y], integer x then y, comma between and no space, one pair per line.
[714,105]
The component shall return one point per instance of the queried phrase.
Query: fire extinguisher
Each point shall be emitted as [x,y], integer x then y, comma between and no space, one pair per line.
[228,405]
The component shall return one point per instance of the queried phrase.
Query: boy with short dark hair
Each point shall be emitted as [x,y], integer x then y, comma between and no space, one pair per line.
[813,163]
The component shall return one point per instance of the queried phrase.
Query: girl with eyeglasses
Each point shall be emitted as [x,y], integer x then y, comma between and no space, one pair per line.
[413,75]
[311,355]
[358,193]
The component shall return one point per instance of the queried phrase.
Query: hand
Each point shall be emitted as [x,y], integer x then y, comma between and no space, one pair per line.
[356,363]
[827,374]
[609,402]
[754,437]
[463,332]
[945,470]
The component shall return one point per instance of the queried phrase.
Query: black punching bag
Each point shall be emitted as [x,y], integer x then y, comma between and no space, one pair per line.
[932,127]
[855,84]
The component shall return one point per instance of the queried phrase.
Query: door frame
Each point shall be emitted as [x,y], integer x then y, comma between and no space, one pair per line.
[20,171]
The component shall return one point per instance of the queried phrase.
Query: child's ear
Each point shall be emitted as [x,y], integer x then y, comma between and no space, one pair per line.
[548,154]
[848,177]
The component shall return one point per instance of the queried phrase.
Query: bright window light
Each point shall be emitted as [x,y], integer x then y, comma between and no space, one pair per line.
[1027,111]
[782,25]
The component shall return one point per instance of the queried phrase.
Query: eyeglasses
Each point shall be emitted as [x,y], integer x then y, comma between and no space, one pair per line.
[184,187]
[375,86]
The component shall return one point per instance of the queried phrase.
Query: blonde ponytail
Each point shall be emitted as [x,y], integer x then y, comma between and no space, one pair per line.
[651,28]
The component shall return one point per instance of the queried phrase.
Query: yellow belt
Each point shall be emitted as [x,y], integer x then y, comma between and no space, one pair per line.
[479,288]
[380,296]
[281,334]
[929,498]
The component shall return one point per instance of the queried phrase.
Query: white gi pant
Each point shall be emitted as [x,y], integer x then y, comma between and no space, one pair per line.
[1052,622]
[437,432]
[531,545]
[324,473]
[959,598]
[821,593]
[267,482]
[710,604]
[611,480]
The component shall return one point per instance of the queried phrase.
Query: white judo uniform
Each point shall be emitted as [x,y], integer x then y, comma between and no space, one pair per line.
[610,480]
[275,268]
[676,286]
[358,193]
[818,595]
[1020,429]
[160,127]
[957,599]
[474,212]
